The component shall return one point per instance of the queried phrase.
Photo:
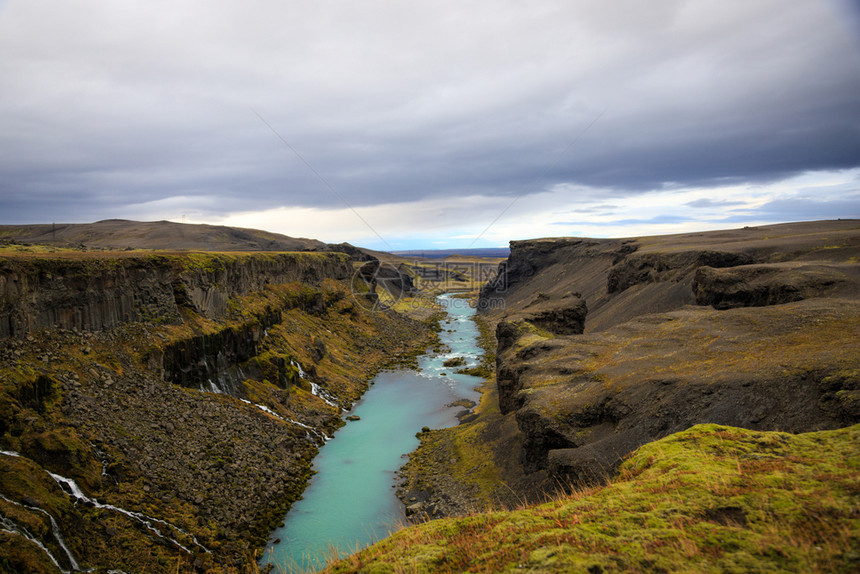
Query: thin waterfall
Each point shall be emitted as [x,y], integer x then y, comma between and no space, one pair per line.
[55,530]
[71,487]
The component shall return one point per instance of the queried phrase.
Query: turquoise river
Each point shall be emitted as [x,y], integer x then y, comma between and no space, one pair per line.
[350,502]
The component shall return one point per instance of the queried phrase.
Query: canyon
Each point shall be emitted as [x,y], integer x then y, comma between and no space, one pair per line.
[603,345]
[653,404]
[160,410]
[608,344]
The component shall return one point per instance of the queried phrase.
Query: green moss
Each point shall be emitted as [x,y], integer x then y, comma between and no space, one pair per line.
[22,556]
[709,499]
[37,393]
[487,342]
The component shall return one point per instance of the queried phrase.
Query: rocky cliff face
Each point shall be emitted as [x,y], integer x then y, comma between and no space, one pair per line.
[773,283]
[108,365]
[604,345]
[91,293]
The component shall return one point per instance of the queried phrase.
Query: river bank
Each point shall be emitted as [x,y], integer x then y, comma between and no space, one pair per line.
[467,468]
[350,502]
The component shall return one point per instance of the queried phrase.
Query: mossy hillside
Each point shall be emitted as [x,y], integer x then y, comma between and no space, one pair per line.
[8,247]
[320,328]
[183,259]
[102,536]
[20,557]
[422,307]
[709,499]
[159,235]
[68,445]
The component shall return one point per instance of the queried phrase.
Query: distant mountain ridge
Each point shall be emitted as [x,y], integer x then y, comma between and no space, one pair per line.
[128,234]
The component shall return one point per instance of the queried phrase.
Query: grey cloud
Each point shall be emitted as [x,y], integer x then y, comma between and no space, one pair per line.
[711,203]
[798,209]
[598,209]
[660,219]
[812,208]
[108,107]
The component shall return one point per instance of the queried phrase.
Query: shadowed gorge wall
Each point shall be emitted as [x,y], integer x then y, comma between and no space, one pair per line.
[91,294]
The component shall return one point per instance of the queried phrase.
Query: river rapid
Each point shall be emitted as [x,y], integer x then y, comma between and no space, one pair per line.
[350,502]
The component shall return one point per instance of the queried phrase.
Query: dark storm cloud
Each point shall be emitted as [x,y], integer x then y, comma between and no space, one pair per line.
[115,110]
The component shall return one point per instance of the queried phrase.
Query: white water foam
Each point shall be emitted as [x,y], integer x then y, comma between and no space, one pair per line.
[55,529]
[10,527]
[316,390]
[72,487]
[319,435]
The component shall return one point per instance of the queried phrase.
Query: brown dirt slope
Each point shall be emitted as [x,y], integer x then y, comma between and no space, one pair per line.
[622,278]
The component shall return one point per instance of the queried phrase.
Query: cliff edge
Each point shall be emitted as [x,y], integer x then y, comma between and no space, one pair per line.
[605,345]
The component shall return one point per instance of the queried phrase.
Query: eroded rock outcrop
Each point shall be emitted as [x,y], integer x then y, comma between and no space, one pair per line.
[563,316]
[664,267]
[212,361]
[774,283]
[396,282]
[584,402]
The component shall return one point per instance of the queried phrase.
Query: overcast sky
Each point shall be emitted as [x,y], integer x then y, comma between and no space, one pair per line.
[414,124]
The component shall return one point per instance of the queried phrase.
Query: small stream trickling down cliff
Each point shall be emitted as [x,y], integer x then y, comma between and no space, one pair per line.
[316,390]
[350,503]
[72,489]
[11,526]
